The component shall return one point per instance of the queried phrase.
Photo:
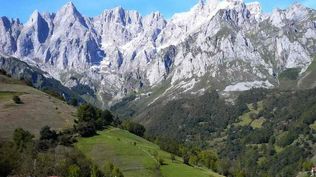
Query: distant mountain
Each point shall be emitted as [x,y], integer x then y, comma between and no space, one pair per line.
[219,44]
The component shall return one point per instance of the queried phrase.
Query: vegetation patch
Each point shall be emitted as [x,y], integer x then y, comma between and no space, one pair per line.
[313,126]
[290,74]
[251,117]
[308,80]
[258,122]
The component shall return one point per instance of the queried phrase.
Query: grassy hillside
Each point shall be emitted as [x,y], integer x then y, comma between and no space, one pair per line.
[38,109]
[135,156]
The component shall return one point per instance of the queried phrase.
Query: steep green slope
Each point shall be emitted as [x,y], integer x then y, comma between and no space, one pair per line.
[308,79]
[135,156]
[38,109]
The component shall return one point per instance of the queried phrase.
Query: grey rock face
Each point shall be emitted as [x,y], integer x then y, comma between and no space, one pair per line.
[17,69]
[217,44]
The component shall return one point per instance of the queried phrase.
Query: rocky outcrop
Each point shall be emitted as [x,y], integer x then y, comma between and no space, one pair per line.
[17,69]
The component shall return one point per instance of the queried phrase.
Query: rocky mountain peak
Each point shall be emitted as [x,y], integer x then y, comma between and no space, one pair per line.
[154,20]
[69,8]
[254,8]
[68,14]
[35,18]
[121,16]
[215,44]
[5,23]
[297,12]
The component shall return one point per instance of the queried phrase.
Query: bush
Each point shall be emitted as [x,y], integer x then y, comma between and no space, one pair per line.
[106,117]
[308,165]
[90,119]
[74,102]
[108,167]
[73,171]
[86,129]
[47,134]
[9,158]
[22,138]
[209,159]
[95,172]
[287,138]
[158,158]
[66,140]
[111,170]
[117,173]
[134,128]
[3,72]
[172,157]
[86,113]
[186,159]
[161,161]
[17,99]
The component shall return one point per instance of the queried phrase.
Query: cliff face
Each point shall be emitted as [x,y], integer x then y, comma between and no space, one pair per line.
[226,45]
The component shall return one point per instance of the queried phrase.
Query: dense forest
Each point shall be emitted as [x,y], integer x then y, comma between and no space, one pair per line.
[263,133]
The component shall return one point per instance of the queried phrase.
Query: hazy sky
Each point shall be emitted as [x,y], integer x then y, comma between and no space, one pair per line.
[23,8]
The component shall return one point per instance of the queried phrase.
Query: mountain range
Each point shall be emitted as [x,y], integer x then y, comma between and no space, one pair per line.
[224,45]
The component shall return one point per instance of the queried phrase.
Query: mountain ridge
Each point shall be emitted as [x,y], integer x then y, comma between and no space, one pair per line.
[217,44]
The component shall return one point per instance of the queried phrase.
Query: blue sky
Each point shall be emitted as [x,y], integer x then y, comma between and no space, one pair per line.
[23,8]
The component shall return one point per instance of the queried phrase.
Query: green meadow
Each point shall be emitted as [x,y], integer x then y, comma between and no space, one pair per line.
[135,156]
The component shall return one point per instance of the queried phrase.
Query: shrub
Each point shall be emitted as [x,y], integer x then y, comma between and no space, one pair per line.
[86,113]
[74,101]
[134,128]
[73,171]
[186,158]
[108,167]
[117,173]
[111,170]
[9,158]
[308,165]
[22,138]
[172,157]
[86,129]
[161,161]
[17,99]
[47,134]
[3,72]
[287,139]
